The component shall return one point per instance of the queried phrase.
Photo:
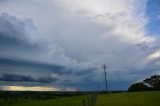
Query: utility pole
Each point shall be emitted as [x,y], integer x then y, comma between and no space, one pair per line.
[105,67]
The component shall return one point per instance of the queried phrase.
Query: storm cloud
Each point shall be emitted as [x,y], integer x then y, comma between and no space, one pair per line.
[66,42]
[11,77]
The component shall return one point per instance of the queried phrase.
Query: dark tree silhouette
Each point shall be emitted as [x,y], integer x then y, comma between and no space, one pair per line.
[138,87]
[151,83]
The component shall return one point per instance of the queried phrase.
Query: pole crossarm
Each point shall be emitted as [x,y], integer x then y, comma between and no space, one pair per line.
[104,67]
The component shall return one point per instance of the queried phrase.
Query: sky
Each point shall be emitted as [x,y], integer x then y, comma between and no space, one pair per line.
[61,45]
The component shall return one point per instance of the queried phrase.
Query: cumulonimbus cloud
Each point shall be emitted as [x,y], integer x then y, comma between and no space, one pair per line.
[82,35]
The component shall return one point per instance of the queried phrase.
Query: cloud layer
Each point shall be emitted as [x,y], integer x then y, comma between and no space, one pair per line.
[66,42]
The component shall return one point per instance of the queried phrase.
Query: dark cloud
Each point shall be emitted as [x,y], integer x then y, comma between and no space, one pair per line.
[11,62]
[21,78]
[12,69]
[23,63]
[13,30]
[42,71]
[36,73]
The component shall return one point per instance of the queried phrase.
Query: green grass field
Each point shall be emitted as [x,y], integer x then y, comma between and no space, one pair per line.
[67,101]
[117,99]
[130,99]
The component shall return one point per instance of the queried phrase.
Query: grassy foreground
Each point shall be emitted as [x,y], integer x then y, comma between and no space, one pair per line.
[66,101]
[130,99]
[117,99]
